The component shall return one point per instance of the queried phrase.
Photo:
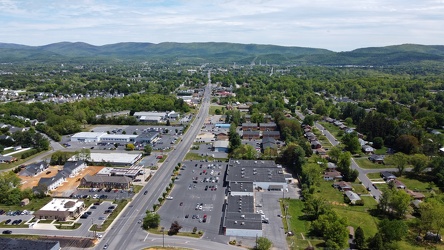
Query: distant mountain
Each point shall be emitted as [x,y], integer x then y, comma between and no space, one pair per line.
[219,53]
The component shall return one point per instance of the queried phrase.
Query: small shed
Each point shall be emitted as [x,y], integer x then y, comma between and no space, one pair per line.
[24,202]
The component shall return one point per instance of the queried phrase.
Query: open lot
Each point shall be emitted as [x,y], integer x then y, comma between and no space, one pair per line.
[189,193]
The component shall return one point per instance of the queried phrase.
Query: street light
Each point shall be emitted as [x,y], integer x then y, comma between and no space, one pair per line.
[163,236]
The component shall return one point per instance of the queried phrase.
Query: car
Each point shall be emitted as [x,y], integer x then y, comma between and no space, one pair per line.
[187,215]
[111,207]
[205,216]
[88,212]
[84,216]
[101,218]
[107,211]
[99,236]
[105,246]
[96,203]
[146,191]
[181,204]
[7,232]
[169,197]
[7,221]
[194,216]
[139,221]
[200,207]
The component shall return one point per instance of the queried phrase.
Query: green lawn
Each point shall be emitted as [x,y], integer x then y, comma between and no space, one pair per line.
[137,188]
[213,108]
[332,129]
[364,162]
[329,193]
[374,176]
[34,205]
[417,185]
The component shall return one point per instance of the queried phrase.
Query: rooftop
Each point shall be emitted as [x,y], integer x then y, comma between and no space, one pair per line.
[241,186]
[62,205]
[254,171]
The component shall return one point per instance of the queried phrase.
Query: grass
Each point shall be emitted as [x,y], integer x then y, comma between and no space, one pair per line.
[332,129]
[197,157]
[374,176]
[7,151]
[329,193]
[46,221]
[381,151]
[163,158]
[185,234]
[34,205]
[367,164]
[417,185]
[137,188]
[70,227]
[213,108]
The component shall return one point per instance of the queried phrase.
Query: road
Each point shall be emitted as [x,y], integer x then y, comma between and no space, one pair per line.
[362,172]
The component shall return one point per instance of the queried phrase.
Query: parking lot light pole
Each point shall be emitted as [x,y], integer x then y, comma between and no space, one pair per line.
[163,236]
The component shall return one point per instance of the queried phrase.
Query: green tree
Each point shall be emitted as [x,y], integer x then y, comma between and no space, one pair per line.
[334,153]
[419,162]
[263,243]
[432,216]
[332,228]
[234,138]
[148,149]
[359,240]
[400,161]
[378,142]
[407,144]
[293,156]
[376,243]
[130,146]
[315,207]
[311,174]
[151,220]
[351,142]
[392,230]
[174,228]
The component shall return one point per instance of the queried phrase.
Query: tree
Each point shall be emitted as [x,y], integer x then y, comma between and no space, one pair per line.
[351,142]
[83,155]
[130,146]
[392,230]
[359,240]
[315,206]
[407,144]
[332,228]
[234,138]
[174,228]
[309,120]
[419,162]
[378,142]
[148,149]
[293,157]
[400,161]
[263,243]
[376,242]
[151,220]
[334,153]
[432,216]
[311,174]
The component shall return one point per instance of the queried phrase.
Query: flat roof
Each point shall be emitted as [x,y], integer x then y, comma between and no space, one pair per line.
[114,136]
[240,204]
[15,244]
[90,135]
[125,158]
[221,144]
[59,205]
[240,213]
[241,186]
[254,171]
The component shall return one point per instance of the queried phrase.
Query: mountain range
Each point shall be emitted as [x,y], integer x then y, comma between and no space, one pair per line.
[220,53]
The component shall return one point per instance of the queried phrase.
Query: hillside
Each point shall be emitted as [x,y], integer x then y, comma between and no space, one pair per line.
[219,53]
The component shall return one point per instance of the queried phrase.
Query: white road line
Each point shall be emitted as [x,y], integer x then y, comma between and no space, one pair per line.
[146,236]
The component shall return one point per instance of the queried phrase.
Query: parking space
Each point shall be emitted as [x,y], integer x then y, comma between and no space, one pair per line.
[97,213]
[15,217]
[103,194]
[198,197]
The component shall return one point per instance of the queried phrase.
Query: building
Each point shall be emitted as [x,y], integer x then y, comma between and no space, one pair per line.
[343,186]
[352,196]
[115,159]
[271,134]
[398,184]
[87,136]
[248,135]
[261,173]
[72,168]
[240,218]
[249,126]
[17,243]
[7,159]
[220,146]
[131,172]
[34,169]
[332,175]
[60,209]
[150,116]
[268,126]
[376,158]
[368,149]
[96,181]
[241,188]
[222,137]
[46,185]
[315,144]
[387,176]
[222,125]
[415,195]
[268,142]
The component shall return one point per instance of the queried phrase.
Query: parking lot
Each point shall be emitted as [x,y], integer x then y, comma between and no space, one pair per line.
[6,218]
[198,193]
[114,194]
[97,213]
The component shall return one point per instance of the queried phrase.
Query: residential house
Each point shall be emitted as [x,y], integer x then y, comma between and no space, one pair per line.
[332,175]
[249,126]
[6,137]
[72,168]
[387,176]
[7,159]
[46,185]
[268,126]
[321,152]
[268,142]
[352,196]
[271,134]
[398,184]
[368,149]
[376,158]
[415,195]
[315,144]
[331,166]
[34,169]
[343,186]
[248,135]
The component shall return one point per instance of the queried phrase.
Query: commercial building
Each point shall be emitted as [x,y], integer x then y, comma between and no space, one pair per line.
[100,181]
[116,159]
[146,137]
[220,146]
[240,218]
[60,209]
[87,136]
[156,117]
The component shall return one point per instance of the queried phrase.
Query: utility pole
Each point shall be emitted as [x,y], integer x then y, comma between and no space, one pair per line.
[163,237]
[256,243]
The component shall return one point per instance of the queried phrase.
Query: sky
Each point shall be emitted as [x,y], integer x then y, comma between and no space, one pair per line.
[338,25]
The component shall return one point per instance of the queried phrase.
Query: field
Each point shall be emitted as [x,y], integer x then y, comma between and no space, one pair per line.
[365,163]
[34,205]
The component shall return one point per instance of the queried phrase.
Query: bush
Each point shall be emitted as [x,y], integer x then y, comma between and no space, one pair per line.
[174,229]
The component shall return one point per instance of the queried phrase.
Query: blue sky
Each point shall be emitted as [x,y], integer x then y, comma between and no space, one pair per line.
[332,24]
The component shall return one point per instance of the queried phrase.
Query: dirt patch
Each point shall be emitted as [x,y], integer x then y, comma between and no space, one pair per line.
[68,187]
[338,204]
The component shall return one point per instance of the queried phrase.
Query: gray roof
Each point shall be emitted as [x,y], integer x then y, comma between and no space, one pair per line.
[107,179]
[17,244]
[352,196]
[249,124]
[34,168]
[271,133]
[268,140]
[254,223]
[254,171]
[267,124]
[241,187]
[240,213]
[246,132]
[71,165]
[48,181]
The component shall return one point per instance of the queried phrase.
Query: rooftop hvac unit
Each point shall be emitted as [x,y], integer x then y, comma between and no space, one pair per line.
[242,223]
[243,216]
[235,222]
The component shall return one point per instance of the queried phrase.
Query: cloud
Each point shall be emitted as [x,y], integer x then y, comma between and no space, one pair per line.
[332,24]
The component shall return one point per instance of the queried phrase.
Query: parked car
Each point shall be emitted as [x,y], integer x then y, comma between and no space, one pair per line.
[7,232]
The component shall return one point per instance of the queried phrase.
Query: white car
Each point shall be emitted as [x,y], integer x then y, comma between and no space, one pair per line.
[99,236]
[169,197]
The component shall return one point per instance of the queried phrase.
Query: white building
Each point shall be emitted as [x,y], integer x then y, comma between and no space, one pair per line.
[121,159]
[88,136]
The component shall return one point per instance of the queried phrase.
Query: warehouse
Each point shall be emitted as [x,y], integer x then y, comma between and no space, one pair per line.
[240,218]
[87,136]
[115,159]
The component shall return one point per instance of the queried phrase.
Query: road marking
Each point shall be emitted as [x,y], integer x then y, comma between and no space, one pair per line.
[146,236]
[153,239]
[186,242]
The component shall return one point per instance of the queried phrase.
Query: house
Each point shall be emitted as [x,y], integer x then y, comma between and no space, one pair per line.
[60,209]
[331,166]
[315,144]
[387,176]
[398,184]
[368,149]
[34,169]
[72,168]
[6,137]
[343,186]
[251,135]
[376,158]
[332,175]
[352,196]
[415,195]
[7,159]
[222,137]
[271,134]
[47,184]
[249,126]
[268,126]
[321,152]
[268,142]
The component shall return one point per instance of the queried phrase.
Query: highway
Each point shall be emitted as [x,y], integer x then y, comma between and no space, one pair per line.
[125,232]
